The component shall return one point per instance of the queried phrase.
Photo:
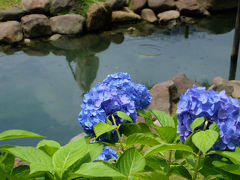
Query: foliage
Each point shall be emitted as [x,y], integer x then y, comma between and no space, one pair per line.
[85,4]
[7,4]
[143,151]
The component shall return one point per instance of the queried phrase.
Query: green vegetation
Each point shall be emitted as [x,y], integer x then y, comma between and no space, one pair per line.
[7,4]
[85,4]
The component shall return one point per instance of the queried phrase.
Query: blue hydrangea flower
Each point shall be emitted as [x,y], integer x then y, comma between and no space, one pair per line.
[214,106]
[107,154]
[116,93]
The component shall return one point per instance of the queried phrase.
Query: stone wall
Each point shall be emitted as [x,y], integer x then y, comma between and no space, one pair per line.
[41,18]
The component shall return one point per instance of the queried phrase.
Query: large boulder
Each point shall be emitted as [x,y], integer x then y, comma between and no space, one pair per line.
[126,15]
[11,32]
[137,5]
[191,8]
[162,5]
[11,14]
[99,16]
[67,24]
[168,15]
[148,15]
[117,4]
[218,5]
[36,6]
[36,25]
[231,87]
[61,6]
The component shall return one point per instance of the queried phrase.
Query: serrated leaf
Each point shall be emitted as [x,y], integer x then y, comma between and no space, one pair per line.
[164,119]
[214,127]
[204,140]
[228,154]
[130,128]
[69,154]
[38,160]
[131,162]
[124,116]
[7,162]
[231,168]
[16,133]
[181,171]
[168,134]
[161,148]
[48,146]
[98,169]
[150,176]
[102,128]
[156,162]
[141,138]
[20,173]
[197,122]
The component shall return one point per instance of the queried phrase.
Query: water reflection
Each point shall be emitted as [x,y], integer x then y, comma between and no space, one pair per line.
[42,82]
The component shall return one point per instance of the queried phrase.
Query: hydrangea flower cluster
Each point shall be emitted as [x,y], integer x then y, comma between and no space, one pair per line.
[107,154]
[116,93]
[214,106]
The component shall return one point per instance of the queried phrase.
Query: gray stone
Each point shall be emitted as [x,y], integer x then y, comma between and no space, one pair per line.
[11,14]
[99,16]
[126,15]
[36,25]
[137,5]
[67,24]
[36,6]
[27,41]
[117,4]
[191,8]
[168,15]
[19,162]
[231,87]
[58,6]
[148,15]
[78,137]
[161,96]
[161,5]
[55,37]
[11,32]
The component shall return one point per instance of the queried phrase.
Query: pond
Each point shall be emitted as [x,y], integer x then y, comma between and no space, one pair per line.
[42,84]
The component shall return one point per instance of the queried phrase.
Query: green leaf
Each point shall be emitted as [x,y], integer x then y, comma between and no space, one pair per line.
[20,173]
[231,168]
[130,128]
[98,169]
[214,127]
[228,154]
[150,176]
[141,138]
[102,128]
[94,150]
[124,116]
[161,148]
[48,146]
[168,134]
[15,133]
[69,154]
[204,140]
[164,119]
[156,163]
[181,171]
[38,160]
[131,162]
[197,122]
[7,162]
[146,114]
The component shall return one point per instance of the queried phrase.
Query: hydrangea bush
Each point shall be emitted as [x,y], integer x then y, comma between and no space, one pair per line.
[214,106]
[116,93]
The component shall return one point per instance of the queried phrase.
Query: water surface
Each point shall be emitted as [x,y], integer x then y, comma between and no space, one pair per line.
[42,84]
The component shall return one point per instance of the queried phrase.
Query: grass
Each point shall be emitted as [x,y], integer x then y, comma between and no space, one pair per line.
[85,4]
[8,4]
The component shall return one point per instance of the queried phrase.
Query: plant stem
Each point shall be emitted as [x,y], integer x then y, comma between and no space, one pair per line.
[118,134]
[197,166]
[199,155]
[169,162]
